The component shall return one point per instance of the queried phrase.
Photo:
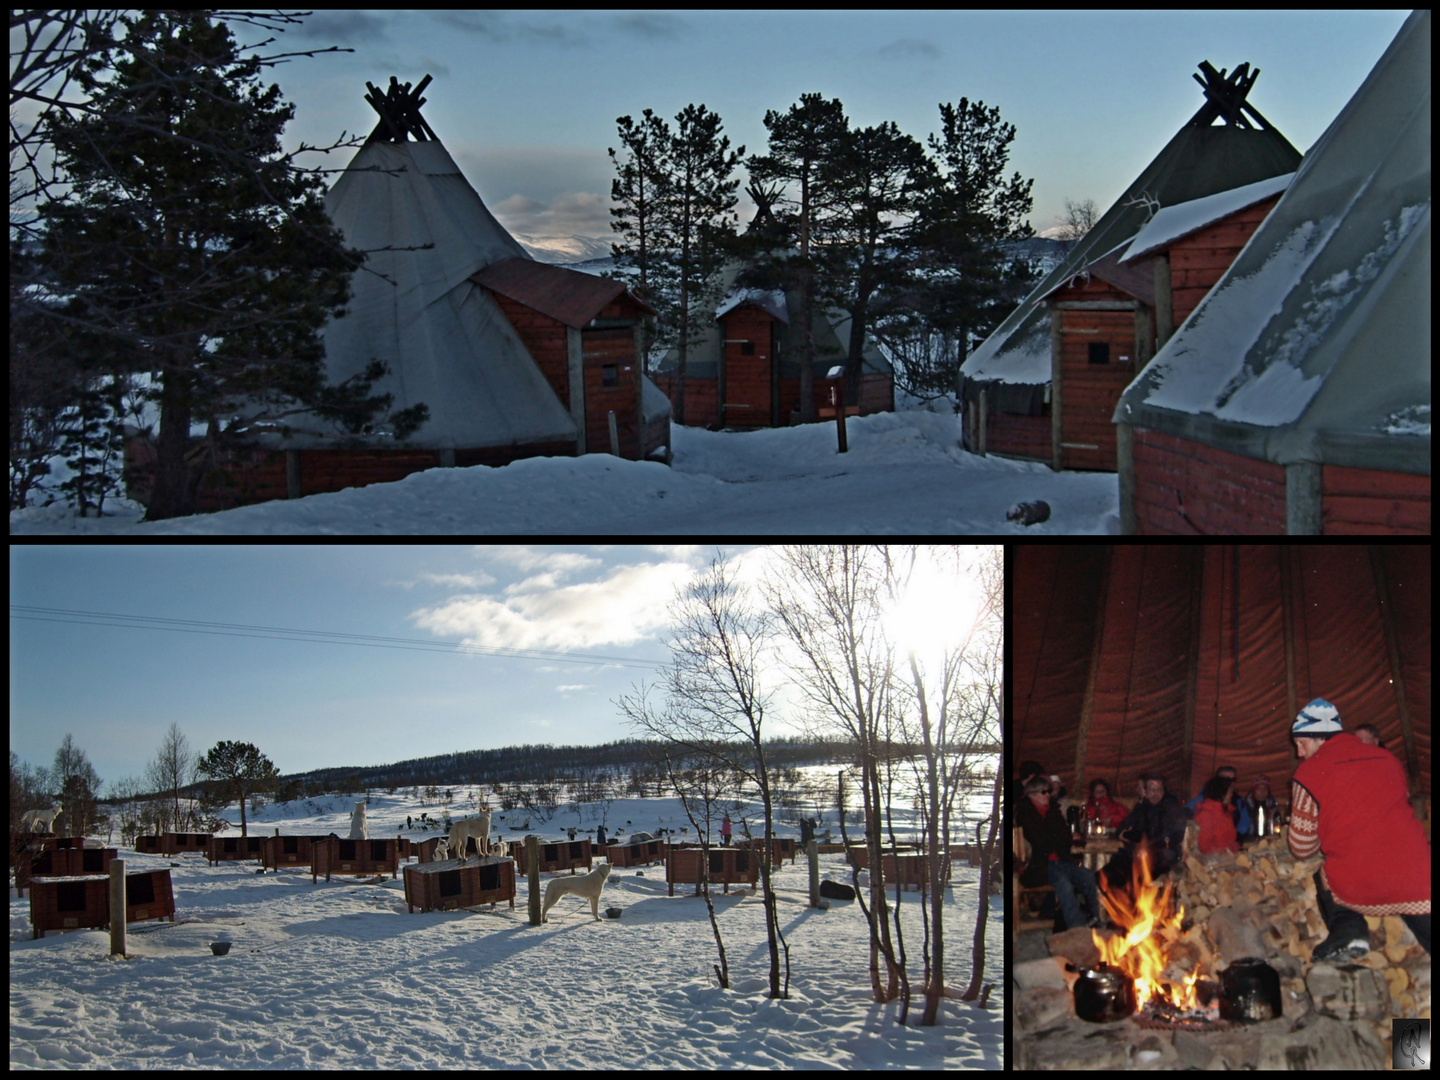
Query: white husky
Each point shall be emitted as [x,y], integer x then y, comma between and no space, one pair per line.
[40,820]
[461,831]
[584,885]
[358,829]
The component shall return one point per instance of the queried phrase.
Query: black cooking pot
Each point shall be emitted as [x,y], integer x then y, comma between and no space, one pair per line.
[1104,994]
[1249,991]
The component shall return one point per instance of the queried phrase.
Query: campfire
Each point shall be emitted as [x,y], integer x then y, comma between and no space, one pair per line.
[1150,924]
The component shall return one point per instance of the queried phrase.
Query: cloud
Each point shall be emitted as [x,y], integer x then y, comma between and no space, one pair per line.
[911,49]
[627,604]
[654,25]
[570,213]
[460,581]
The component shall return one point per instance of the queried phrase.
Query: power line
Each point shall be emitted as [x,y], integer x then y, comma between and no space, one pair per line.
[287,633]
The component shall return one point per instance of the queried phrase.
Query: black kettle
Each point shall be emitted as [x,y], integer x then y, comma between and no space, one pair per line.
[1249,991]
[1104,994]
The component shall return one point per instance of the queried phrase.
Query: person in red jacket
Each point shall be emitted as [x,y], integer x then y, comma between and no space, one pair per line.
[1215,816]
[1102,807]
[1348,801]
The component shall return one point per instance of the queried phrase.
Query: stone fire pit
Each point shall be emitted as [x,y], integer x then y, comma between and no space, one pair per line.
[1256,903]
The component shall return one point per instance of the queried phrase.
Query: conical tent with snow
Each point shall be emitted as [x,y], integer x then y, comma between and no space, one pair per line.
[512,358]
[1296,397]
[1013,365]
[447,343]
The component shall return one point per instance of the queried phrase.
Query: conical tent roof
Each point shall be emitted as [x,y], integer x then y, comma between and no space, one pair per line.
[1315,345]
[445,340]
[1199,160]
[1183,658]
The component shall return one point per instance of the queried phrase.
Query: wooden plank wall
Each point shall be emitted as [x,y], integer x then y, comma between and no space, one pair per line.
[1197,262]
[1188,488]
[1375,503]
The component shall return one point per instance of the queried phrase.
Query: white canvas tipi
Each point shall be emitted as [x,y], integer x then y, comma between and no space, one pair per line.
[447,344]
[1314,348]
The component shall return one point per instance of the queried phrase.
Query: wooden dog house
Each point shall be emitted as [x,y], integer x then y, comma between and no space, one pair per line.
[332,855]
[554,857]
[55,861]
[74,903]
[278,851]
[647,851]
[781,848]
[457,883]
[174,843]
[234,848]
[727,866]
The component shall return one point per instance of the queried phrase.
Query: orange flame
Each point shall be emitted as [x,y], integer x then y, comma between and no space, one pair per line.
[1150,920]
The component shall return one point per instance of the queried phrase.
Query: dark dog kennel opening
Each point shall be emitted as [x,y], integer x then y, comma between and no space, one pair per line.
[576,851]
[348,849]
[377,850]
[92,861]
[490,877]
[450,883]
[70,896]
[139,890]
[290,845]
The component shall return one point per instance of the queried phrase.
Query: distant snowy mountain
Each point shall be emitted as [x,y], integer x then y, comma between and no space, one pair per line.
[564,249]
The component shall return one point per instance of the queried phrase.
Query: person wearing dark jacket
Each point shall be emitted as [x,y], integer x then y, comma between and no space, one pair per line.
[1157,824]
[1051,863]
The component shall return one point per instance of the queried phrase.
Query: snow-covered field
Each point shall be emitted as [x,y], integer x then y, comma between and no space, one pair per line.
[904,475]
[338,975]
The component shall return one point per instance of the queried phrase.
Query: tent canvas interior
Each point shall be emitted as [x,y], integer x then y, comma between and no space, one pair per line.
[1179,659]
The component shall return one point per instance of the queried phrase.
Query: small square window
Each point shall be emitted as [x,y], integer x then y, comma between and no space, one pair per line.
[747,348]
[1099,352]
[607,376]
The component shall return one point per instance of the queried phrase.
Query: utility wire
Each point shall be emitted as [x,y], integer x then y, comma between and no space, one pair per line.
[286,633]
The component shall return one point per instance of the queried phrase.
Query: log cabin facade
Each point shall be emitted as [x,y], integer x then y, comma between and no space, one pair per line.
[1108,321]
[1006,389]
[745,372]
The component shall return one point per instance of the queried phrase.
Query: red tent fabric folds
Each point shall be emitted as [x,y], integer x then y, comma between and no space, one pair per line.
[1182,658]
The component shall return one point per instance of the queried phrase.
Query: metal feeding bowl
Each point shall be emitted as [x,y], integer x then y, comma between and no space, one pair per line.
[220,948]
[613,912]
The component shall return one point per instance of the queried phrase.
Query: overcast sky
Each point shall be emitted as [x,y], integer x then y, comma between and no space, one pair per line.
[312,704]
[526,102]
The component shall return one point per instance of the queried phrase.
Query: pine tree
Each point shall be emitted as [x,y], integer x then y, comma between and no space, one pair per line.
[193,248]
[969,211]
[876,175]
[801,141]
[695,223]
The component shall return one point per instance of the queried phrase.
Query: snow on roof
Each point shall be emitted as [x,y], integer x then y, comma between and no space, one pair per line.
[769,300]
[1182,219]
[1315,344]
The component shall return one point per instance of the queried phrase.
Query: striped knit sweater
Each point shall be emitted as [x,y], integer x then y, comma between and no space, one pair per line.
[1348,801]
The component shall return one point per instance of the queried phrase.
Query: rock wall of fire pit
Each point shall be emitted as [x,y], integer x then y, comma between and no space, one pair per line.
[1260,903]
[1267,897]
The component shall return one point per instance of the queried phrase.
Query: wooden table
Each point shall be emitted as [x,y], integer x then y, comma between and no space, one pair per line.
[1096,851]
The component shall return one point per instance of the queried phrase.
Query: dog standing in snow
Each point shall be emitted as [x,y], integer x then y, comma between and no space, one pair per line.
[358,830]
[584,885]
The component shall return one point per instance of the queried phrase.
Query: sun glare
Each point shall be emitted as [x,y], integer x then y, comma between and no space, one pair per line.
[935,611]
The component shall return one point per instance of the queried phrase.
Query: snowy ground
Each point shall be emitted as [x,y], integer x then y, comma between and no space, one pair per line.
[904,475]
[340,976]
